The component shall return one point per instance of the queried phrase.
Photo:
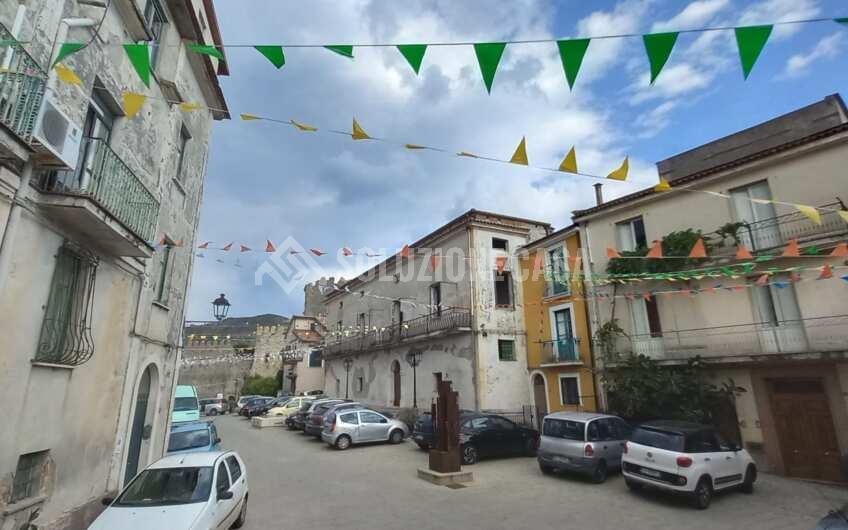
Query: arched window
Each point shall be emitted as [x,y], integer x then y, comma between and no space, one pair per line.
[396,377]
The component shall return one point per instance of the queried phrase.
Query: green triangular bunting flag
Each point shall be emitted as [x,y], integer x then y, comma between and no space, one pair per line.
[841,20]
[571,52]
[205,49]
[414,54]
[342,49]
[658,47]
[489,55]
[68,48]
[751,40]
[274,54]
[139,56]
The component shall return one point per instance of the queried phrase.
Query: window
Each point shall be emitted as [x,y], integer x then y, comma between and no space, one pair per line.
[222,481]
[169,486]
[339,325]
[202,20]
[360,321]
[179,441]
[163,284]
[559,272]
[28,475]
[506,350]
[436,298]
[569,390]
[154,17]
[646,317]
[750,206]
[702,442]
[338,386]
[501,423]
[567,429]
[182,144]
[315,359]
[503,289]
[601,430]
[360,384]
[371,417]
[477,424]
[397,313]
[350,417]
[631,234]
[498,243]
[235,468]
[66,328]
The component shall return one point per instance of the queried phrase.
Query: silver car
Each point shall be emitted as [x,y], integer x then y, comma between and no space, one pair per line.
[361,426]
[585,442]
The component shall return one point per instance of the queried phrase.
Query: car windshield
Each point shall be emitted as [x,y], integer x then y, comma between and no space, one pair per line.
[185,403]
[168,486]
[568,429]
[659,439]
[188,440]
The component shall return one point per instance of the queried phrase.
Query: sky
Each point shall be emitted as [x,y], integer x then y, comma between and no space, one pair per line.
[268,181]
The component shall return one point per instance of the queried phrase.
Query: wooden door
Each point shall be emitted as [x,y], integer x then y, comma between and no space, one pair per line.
[540,397]
[805,429]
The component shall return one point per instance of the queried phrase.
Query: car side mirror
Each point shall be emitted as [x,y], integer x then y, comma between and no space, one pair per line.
[224,495]
[106,501]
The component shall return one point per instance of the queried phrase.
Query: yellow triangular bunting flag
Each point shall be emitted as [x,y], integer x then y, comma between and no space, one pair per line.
[810,212]
[188,107]
[304,127]
[66,75]
[621,172]
[358,132]
[133,103]
[662,186]
[843,214]
[520,155]
[569,163]
[250,117]
[415,146]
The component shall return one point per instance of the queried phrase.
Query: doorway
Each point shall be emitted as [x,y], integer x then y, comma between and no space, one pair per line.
[396,378]
[142,421]
[540,398]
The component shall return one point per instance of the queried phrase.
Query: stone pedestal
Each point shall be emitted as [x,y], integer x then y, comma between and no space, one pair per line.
[445,479]
[267,421]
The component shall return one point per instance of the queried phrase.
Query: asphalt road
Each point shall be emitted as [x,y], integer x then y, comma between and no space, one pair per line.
[298,482]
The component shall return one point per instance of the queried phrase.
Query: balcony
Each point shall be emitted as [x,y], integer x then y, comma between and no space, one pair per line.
[561,351]
[435,324]
[103,201]
[22,83]
[740,342]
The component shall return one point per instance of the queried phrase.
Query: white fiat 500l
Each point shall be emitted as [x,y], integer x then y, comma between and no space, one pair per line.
[192,491]
[686,458]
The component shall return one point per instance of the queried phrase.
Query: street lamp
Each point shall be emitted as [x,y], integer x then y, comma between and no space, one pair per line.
[220,307]
[414,359]
[348,363]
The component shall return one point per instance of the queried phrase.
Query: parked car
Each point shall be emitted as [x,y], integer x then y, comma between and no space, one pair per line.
[314,393]
[212,407]
[197,436]
[186,406]
[278,402]
[242,401]
[686,458]
[423,433]
[484,435]
[836,519]
[182,492]
[290,407]
[299,419]
[347,427]
[316,419]
[583,442]
[255,406]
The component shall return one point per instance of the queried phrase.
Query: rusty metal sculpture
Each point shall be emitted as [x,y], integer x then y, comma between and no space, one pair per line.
[444,455]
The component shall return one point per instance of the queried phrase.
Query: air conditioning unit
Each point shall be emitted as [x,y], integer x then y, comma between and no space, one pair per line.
[57,138]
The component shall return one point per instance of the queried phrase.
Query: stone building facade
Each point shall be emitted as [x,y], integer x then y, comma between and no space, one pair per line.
[294,348]
[96,256]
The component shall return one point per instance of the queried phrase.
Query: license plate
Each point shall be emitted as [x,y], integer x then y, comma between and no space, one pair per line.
[651,472]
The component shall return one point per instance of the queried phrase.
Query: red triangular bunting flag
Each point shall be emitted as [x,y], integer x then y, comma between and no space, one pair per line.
[404,252]
[317,251]
[434,262]
[573,263]
[203,245]
[647,296]
[792,250]
[612,253]
[227,247]
[244,248]
[346,251]
[698,250]
[743,253]
[538,262]
[742,287]
[762,280]
[656,251]
[501,263]
[840,251]
[685,291]
[826,273]
[269,247]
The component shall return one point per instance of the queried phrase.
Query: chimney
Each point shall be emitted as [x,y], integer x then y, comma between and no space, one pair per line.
[599,194]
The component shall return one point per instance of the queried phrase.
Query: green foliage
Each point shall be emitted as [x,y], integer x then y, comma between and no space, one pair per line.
[260,386]
[731,231]
[607,336]
[674,244]
[639,389]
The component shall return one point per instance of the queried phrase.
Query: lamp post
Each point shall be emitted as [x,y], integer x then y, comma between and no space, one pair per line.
[220,307]
[414,359]
[348,363]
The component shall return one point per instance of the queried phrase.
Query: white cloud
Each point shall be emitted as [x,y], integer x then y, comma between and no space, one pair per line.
[827,48]
[770,11]
[693,15]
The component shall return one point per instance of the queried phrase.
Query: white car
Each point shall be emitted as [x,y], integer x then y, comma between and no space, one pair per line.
[687,458]
[289,407]
[190,491]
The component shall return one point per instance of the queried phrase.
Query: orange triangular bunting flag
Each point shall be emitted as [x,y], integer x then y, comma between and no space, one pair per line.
[792,250]
[501,263]
[203,245]
[612,253]
[245,248]
[840,251]
[227,247]
[269,247]
[317,251]
[656,251]
[647,296]
[762,280]
[538,262]
[743,253]
[404,252]
[826,273]
[347,252]
[698,250]
[573,263]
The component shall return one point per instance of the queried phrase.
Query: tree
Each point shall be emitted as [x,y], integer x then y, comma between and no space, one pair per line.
[260,386]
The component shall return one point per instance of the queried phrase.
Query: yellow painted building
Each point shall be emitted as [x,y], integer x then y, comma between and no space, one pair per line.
[559,356]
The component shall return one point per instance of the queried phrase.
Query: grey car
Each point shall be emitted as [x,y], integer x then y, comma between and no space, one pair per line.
[584,442]
[348,427]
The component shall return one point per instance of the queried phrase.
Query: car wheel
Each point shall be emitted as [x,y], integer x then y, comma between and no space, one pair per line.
[342,442]
[750,478]
[396,436]
[423,446]
[213,412]
[599,475]
[632,485]
[242,515]
[530,447]
[469,454]
[547,470]
[703,494]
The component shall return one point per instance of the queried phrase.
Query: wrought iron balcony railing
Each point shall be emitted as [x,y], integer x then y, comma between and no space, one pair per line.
[810,335]
[445,320]
[102,176]
[22,83]
[561,351]
[557,285]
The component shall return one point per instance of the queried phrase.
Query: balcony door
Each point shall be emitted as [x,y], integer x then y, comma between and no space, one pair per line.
[647,330]
[779,319]
[750,206]
[562,321]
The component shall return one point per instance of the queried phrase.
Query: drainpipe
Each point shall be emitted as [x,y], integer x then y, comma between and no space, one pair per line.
[475,361]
